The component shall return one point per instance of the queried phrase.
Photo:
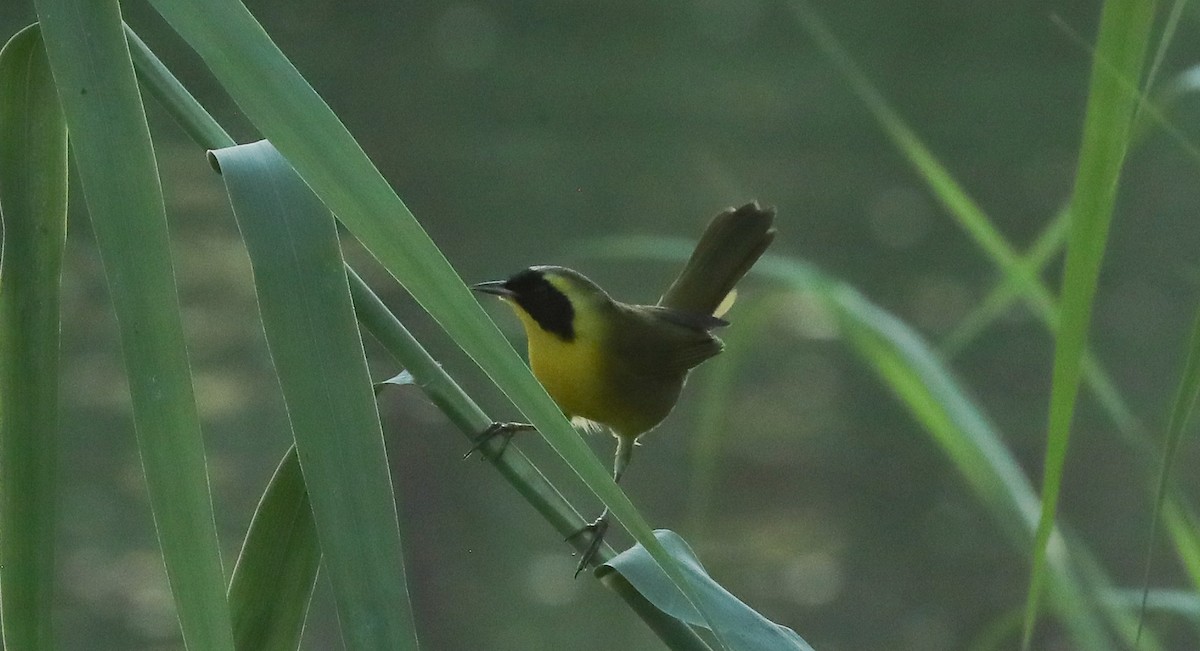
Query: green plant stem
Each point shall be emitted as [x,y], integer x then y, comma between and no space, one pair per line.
[174,97]
[514,466]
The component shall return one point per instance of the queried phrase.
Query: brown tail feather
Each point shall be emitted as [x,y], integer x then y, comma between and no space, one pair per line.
[732,243]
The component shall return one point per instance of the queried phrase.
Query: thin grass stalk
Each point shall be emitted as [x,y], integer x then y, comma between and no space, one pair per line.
[971,218]
[1186,396]
[1121,45]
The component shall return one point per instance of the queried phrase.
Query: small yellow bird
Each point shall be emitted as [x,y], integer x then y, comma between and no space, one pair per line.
[620,365]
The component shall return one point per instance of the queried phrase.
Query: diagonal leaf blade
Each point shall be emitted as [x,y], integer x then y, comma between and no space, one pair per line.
[304,299]
[33,205]
[111,143]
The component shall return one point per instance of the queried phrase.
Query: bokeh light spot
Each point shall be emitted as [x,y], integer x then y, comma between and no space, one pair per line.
[550,579]
[940,302]
[813,579]
[807,314]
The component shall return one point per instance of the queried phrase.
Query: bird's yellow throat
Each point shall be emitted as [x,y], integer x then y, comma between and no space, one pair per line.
[572,371]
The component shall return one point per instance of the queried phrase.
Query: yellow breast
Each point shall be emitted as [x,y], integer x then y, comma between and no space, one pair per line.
[572,371]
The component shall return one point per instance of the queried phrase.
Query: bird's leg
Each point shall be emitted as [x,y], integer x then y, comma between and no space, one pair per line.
[624,454]
[599,526]
[504,430]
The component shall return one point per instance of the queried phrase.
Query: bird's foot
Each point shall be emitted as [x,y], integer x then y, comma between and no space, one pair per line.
[595,532]
[505,431]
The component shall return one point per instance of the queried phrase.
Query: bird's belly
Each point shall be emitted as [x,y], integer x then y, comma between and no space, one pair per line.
[583,383]
[572,375]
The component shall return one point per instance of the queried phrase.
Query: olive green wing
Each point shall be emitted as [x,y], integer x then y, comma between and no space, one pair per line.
[665,343]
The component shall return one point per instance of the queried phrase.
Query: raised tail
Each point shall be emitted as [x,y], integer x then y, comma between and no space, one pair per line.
[732,243]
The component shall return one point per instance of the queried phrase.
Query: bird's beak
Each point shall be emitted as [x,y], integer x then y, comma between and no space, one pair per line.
[495,287]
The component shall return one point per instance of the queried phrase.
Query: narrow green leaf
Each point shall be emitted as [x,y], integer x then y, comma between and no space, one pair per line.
[111,144]
[1160,53]
[1014,282]
[1184,529]
[1053,237]
[743,627]
[1009,289]
[33,204]
[941,182]
[1112,106]
[297,121]
[1186,395]
[277,569]
[1019,274]
[1122,620]
[304,299]
[1120,51]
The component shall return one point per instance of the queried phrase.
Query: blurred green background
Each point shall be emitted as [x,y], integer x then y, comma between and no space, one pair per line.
[519,132]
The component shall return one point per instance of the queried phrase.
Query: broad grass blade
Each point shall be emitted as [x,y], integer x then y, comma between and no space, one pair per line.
[115,160]
[304,299]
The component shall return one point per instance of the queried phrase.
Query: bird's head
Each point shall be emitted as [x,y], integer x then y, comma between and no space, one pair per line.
[547,297]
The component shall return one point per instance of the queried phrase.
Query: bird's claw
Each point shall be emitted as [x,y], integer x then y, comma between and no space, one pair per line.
[504,430]
[595,531]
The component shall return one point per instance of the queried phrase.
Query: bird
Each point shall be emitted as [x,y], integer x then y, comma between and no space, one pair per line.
[622,366]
